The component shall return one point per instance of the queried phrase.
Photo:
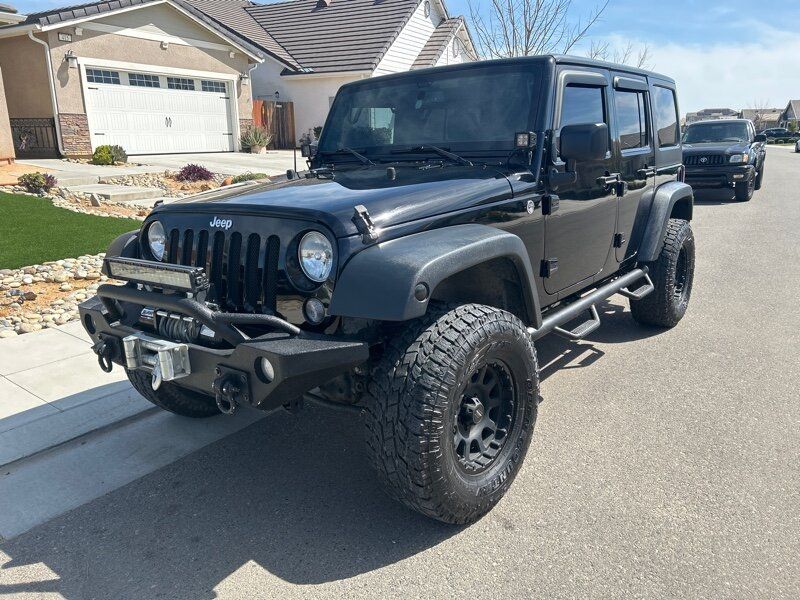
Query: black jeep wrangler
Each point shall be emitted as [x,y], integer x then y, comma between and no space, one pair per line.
[725,154]
[450,218]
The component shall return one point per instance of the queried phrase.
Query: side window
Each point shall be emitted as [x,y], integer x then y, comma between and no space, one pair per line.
[582,104]
[666,113]
[632,119]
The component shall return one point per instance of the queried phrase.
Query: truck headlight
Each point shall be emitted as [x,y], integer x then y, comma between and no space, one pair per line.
[157,240]
[738,158]
[316,256]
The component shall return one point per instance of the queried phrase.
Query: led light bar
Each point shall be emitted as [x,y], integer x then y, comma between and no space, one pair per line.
[166,276]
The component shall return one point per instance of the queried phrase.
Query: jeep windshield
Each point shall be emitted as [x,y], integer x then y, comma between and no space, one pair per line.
[716,132]
[473,111]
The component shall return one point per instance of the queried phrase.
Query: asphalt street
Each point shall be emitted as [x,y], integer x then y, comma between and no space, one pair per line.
[664,464]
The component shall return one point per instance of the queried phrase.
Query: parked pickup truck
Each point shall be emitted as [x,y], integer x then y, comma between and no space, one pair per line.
[450,218]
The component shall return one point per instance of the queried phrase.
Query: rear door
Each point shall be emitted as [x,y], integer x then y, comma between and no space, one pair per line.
[636,152]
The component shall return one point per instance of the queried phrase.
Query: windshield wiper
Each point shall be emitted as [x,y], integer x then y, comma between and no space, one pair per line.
[440,151]
[361,158]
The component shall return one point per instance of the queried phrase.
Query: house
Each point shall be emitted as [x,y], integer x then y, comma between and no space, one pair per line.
[791,115]
[762,118]
[169,76]
[7,15]
[711,113]
[154,76]
[313,47]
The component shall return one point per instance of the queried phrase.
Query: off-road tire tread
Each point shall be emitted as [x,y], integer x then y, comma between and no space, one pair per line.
[401,413]
[170,397]
[659,306]
[760,176]
[743,192]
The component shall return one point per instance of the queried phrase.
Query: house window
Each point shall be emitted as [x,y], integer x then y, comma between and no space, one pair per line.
[179,83]
[427,9]
[144,80]
[213,86]
[100,76]
[632,119]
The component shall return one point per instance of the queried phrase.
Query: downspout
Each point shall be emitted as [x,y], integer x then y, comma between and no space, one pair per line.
[53,99]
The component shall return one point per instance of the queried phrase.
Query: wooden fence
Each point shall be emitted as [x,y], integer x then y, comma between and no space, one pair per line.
[278,119]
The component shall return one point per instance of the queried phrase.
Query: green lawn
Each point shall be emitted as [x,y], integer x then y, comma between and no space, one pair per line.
[33,231]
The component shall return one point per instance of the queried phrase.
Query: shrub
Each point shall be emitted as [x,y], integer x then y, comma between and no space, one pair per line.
[318,131]
[102,156]
[194,173]
[37,182]
[256,136]
[119,154]
[249,177]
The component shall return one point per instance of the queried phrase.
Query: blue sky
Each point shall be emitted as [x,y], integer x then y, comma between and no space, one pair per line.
[731,53]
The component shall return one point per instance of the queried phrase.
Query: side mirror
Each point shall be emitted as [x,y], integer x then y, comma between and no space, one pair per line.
[586,141]
[760,138]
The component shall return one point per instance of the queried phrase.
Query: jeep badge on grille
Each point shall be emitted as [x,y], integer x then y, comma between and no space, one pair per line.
[221,223]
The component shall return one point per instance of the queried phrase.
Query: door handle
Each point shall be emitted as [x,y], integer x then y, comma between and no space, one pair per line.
[609,179]
[646,172]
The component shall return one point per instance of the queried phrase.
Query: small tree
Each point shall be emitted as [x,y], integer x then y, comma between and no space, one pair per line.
[759,108]
[510,28]
[626,55]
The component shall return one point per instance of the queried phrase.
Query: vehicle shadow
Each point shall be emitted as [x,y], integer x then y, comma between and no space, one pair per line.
[715,196]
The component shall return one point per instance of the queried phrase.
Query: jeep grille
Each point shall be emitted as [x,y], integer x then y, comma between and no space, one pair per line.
[242,270]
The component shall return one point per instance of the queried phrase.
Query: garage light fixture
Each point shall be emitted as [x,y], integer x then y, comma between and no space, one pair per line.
[71,59]
[243,77]
[164,45]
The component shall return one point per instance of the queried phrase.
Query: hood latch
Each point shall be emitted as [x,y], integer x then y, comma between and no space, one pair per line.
[364,224]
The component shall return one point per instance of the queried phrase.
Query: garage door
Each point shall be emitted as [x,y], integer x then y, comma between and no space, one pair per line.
[149,113]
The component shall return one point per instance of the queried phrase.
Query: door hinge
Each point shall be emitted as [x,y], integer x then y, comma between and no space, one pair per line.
[619,240]
[549,204]
[364,225]
[549,266]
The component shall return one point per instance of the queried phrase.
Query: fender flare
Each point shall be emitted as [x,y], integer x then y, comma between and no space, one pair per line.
[664,204]
[379,282]
[125,246]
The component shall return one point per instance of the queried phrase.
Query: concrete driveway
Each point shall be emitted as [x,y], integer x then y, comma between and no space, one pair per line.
[664,464]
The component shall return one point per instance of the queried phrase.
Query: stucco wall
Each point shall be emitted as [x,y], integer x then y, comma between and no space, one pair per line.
[6,141]
[25,76]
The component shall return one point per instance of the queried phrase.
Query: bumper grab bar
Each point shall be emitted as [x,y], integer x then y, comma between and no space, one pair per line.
[217,321]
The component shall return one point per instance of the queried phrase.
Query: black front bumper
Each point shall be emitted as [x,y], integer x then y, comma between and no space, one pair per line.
[718,176]
[299,362]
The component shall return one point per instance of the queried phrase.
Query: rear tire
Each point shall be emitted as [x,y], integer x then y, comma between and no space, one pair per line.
[672,275]
[450,412]
[183,402]
[744,190]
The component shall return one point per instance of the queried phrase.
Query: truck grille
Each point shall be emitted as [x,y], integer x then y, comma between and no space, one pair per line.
[243,270]
[710,160]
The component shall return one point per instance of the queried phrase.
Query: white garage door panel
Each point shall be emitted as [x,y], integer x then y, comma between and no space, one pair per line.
[158,120]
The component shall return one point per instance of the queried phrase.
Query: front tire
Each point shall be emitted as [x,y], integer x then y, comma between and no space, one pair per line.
[169,396]
[672,274]
[451,409]
[760,176]
[744,190]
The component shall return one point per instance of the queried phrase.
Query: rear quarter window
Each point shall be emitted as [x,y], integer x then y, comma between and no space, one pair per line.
[665,109]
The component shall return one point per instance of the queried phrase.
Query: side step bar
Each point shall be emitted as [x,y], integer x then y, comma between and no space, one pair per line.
[553,321]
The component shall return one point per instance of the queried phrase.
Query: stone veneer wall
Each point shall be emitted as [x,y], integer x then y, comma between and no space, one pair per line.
[75,134]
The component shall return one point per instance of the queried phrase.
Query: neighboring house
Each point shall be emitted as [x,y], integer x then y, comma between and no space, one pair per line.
[762,118]
[164,76]
[711,113]
[791,114]
[154,76]
[7,15]
[327,43]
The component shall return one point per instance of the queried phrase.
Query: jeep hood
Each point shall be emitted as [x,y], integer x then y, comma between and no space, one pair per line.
[415,193]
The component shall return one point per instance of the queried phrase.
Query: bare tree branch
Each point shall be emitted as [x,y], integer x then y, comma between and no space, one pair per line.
[509,28]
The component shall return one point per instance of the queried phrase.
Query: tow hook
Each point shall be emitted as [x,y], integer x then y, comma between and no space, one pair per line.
[231,388]
[106,352]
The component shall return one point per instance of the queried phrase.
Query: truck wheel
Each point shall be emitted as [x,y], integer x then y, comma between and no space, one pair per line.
[451,409]
[760,176]
[169,396]
[744,189]
[672,274]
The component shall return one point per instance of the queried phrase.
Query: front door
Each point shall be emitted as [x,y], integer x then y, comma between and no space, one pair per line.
[579,228]
[636,152]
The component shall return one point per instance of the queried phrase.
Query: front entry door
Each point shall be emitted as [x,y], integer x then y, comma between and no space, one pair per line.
[579,231]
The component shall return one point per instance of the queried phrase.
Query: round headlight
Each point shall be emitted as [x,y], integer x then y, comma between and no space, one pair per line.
[157,240]
[316,256]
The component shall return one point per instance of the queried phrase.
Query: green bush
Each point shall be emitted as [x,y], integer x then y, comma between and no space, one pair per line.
[119,154]
[318,131]
[249,177]
[37,182]
[102,156]
[256,136]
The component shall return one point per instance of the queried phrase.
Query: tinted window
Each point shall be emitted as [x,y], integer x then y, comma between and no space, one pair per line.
[666,112]
[631,119]
[582,104]
[719,131]
[480,108]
